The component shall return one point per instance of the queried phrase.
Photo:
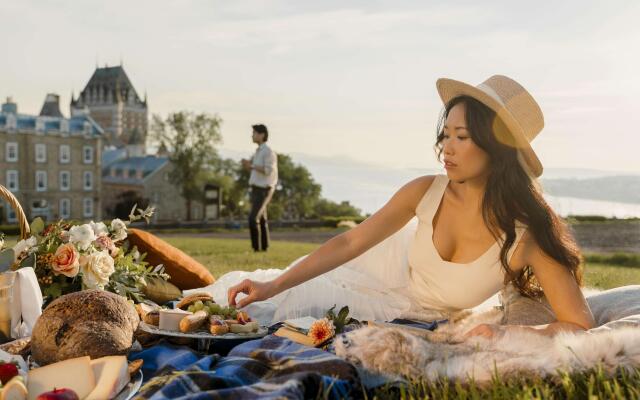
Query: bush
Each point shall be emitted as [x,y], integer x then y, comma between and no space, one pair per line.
[332,222]
[621,259]
[10,230]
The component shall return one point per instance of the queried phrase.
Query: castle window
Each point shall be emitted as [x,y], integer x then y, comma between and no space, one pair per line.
[41,153]
[41,181]
[65,208]
[65,180]
[87,207]
[11,151]
[65,154]
[88,180]
[87,154]
[12,180]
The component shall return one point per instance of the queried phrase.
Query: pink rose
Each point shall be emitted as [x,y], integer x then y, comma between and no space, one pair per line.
[104,242]
[66,261]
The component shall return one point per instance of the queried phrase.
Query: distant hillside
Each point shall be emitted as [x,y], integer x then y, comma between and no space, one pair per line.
[623,189]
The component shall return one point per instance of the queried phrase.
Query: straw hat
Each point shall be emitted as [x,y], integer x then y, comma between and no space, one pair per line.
[513,105]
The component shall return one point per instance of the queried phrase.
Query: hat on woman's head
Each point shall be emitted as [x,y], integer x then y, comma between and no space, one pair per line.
[515,107]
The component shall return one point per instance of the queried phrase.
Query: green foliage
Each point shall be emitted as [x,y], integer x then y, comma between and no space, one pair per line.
[297,191]
[343,210]
[191,141]
[340,320]
[37,226]
[333,221]
[233,181]
[622,259]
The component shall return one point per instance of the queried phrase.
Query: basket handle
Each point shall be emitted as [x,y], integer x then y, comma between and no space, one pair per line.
[22,219]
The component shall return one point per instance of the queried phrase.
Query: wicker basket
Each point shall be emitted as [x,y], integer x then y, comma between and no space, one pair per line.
[22,219]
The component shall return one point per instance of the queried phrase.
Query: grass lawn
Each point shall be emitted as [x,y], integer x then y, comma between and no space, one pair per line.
[223,255]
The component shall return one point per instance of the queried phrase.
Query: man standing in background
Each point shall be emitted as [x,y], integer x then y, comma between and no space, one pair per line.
[262,183]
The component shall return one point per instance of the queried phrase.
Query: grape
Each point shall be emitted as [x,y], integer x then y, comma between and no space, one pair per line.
[234,314]
[198,305]
[215,309]
[191,309]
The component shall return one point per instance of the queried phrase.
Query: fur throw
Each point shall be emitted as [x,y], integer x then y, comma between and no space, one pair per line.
[397,352]
[444,353]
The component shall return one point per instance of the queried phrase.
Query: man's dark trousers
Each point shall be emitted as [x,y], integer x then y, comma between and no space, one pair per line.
[258,225]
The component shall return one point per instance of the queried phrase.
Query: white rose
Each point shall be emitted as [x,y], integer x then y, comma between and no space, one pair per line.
[97,267]
[99,228]
[23,246]
[1,243]
[119,230]
[82,236]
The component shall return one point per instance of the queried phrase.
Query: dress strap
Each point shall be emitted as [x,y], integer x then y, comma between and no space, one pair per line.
[432,198]
[520,229]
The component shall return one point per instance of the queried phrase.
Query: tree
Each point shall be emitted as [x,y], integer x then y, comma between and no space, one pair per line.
[191,141]
[297,192]
[233,181]
[328,208]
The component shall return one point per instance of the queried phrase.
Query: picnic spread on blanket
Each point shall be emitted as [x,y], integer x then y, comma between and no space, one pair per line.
[84,315]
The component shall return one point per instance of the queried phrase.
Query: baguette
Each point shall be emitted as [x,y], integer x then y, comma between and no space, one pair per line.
[194,321]
[219,329]
[152,318]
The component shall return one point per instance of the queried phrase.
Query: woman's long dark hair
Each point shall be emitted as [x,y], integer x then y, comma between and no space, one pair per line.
[512,195]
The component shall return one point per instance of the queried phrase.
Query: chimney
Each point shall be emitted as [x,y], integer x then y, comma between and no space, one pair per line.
[51,106]
[10,107]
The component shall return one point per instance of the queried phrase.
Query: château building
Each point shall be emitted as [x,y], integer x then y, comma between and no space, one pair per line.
[111,100]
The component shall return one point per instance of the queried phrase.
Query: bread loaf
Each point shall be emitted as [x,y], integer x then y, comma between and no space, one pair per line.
[93,323]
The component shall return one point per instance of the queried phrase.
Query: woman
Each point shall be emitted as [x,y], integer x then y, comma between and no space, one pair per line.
[480,226]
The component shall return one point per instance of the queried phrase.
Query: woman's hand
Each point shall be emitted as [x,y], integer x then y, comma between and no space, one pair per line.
[255,291]
[488,331]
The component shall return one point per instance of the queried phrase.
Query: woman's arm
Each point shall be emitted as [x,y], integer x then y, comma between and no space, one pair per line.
[560,288]
[342,248]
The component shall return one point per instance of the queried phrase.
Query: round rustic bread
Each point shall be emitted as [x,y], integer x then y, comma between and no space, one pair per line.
[93,323]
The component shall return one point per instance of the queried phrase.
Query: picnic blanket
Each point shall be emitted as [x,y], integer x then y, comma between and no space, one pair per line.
[270,368]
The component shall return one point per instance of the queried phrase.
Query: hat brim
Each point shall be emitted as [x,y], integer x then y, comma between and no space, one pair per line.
[449,89]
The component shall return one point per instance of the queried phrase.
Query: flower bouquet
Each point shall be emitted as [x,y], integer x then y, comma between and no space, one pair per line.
[69,257]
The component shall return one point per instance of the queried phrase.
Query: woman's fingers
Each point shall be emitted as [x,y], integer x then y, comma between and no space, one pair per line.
[246,301]
[242,287]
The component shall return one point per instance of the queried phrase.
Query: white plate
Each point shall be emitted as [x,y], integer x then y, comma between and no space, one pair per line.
[262,331]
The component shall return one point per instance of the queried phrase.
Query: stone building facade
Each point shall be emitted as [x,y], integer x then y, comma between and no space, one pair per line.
[148,178]
[111,100]
[52,164]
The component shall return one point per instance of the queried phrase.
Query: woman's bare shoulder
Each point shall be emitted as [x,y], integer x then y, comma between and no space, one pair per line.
[415,190]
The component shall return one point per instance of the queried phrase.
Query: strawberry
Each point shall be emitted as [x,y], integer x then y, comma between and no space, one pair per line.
[7,371]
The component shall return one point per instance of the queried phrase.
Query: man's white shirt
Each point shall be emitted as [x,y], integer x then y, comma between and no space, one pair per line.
[267,159]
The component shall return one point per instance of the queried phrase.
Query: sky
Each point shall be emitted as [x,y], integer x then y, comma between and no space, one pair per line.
[344,79]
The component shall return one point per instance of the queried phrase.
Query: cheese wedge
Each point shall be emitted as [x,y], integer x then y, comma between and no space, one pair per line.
[112,375]
[75,374]
[14,390]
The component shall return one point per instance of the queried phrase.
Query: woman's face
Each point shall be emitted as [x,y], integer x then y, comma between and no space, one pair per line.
[463,159]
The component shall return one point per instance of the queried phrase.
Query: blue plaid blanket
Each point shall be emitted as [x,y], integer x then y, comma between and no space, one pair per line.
[269,368]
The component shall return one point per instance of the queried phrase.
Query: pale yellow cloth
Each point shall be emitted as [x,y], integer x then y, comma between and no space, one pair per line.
[437,284]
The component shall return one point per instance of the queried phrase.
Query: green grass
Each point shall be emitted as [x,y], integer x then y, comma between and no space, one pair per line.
[224,255]
[604,276]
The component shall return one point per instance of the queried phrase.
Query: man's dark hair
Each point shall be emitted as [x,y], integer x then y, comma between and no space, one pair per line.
[260,128]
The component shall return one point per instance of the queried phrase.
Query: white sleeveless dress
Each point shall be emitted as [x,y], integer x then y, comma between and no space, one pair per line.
[403,276]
